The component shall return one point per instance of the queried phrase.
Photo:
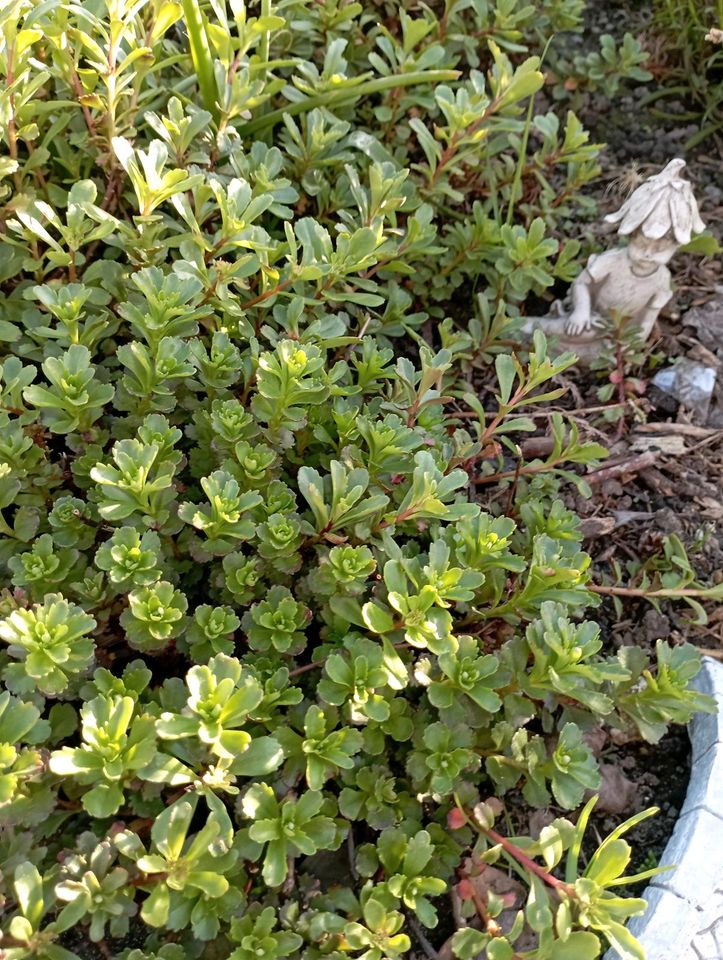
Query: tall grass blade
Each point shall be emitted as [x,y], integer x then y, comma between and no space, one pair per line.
[201,54]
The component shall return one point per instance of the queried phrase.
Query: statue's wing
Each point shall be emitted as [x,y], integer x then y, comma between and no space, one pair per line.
[660,218]
[636,210]
[697,224]
[617,216]
[671,170]
[661,203]
[681,215]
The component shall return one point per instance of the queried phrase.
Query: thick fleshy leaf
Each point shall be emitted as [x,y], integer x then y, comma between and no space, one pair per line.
[103,800]
[263,755]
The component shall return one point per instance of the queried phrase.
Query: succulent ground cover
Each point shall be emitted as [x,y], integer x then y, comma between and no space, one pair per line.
[281,590]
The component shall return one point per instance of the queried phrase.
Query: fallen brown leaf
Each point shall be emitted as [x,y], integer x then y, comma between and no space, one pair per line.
[486,879]
[596,739]
[616,793]
[537,820]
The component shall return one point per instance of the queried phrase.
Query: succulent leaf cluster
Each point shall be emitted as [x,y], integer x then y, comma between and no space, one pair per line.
[256,613]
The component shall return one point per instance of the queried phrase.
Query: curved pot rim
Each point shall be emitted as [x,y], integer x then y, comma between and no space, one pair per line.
[684,918]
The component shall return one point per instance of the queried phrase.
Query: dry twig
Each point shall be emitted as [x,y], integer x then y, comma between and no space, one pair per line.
[630,465]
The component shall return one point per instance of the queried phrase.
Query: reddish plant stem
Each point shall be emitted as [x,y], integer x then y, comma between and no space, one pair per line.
[491,925]
[400,518]
[268,293]
[541,415]
[112,193]
[178,794]
[484,440]
[449,152]
[513,488]
[622,398]
[560,198]
[145,879]
[521,472]
[108,203]
[514,851]
[307,666]
[37,173]
[142,824]
[210,254]
[104,949]
[320,663]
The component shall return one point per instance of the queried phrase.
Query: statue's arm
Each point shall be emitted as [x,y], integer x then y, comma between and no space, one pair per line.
[656,303]
[580,318]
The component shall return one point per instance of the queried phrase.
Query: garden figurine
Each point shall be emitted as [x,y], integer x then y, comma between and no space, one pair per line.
[631,282]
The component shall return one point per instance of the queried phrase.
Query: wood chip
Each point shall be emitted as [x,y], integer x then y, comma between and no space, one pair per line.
[656,481]
[712,508]
[684,429]
[623,517]
[670,444]
[630,465]
[597,527]
[703,355]
[710,652]
[537,447]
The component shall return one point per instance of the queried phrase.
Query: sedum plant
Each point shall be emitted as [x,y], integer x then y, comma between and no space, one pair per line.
[51,643]
[115,745]
[266,608]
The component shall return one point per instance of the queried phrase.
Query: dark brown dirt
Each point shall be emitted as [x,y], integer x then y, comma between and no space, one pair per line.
[660,775]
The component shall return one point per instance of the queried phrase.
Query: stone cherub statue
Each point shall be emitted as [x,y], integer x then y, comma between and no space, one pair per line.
[631,281]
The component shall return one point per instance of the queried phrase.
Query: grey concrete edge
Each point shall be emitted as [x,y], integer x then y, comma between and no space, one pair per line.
[684,918]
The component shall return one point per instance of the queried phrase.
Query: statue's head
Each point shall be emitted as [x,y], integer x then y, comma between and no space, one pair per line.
[647,254]
[662,211]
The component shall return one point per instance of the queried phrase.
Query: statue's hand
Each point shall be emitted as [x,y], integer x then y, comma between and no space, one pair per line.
[577,323]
